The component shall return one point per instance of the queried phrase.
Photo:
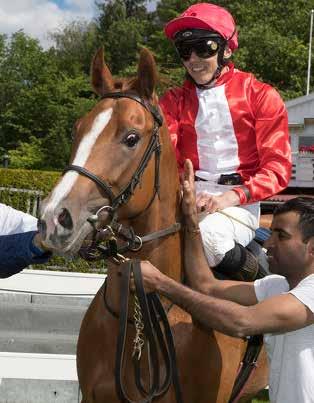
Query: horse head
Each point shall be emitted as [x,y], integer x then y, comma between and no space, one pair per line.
[114,165]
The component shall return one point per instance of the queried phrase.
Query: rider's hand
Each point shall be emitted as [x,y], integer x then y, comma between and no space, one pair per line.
[208,203]
[211,203]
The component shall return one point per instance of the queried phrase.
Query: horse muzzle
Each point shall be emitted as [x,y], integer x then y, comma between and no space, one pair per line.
[61,233]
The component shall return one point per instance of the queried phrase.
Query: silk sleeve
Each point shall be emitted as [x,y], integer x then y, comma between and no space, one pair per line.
[273,146]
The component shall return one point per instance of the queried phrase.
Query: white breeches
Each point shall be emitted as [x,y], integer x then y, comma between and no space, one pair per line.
[220,232]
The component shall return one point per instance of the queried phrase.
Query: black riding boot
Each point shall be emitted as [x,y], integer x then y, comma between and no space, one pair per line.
[239,264]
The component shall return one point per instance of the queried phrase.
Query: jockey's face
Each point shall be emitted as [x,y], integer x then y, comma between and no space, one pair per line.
[202,70]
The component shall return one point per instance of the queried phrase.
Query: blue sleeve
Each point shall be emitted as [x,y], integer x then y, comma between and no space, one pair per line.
[17,252]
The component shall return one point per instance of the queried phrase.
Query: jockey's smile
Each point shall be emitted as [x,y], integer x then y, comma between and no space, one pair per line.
[202,70]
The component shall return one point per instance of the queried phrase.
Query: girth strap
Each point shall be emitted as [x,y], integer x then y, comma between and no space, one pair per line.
[156,340]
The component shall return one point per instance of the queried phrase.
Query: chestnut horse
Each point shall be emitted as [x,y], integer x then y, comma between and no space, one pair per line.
[109,145]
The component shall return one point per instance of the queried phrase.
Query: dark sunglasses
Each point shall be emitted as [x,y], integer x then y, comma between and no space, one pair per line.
[204,48]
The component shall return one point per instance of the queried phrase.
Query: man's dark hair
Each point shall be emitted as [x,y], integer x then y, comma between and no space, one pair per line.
[304,206]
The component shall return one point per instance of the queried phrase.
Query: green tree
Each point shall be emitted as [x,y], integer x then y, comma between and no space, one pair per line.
[39,101]
[273,39]
[28,155]
[122,29]
[74,46]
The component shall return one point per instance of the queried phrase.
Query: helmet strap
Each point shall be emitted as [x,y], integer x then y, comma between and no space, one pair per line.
[211,81]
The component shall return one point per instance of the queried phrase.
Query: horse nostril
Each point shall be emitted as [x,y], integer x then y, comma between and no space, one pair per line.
[65,219]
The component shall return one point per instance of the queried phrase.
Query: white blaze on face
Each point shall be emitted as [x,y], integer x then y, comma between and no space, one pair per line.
[81,156]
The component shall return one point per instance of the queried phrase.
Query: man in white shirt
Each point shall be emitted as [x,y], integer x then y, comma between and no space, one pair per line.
[280,306]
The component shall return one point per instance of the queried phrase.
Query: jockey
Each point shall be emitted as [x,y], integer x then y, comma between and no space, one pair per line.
[20,243]
[233,128]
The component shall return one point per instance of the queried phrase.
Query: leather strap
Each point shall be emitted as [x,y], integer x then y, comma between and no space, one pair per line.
[163,232]
[153,110]
[102,184]
[247,365]
[156,340]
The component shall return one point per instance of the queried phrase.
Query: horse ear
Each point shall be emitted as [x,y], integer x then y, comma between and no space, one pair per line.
[102,80]
[147,76]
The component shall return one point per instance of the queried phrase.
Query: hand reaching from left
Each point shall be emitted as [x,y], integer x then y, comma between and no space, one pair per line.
[38,243]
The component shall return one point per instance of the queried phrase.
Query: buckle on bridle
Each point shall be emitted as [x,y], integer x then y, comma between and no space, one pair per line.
[136,240]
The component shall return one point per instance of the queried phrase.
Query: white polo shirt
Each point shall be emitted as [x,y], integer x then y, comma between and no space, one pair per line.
[291,354]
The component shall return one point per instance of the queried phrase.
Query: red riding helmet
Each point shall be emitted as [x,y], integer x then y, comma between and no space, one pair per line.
[205,16]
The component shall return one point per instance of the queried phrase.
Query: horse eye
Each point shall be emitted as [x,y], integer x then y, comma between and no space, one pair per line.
[131,140]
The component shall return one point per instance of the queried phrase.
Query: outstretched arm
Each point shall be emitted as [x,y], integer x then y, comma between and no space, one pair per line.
[18,251]
[278,314]
[20,243]
[199,274]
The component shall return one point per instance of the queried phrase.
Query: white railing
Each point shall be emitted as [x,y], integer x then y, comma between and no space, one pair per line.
[29,204]
[20,365]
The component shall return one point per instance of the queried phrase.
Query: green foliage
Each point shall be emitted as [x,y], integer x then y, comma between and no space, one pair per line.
[122,27]
[122,43]
[110,12]
[39,104]
[27,155]
[43,92]
[28,179]
[75,45]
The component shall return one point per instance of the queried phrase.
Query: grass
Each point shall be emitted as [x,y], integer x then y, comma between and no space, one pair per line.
[262,397]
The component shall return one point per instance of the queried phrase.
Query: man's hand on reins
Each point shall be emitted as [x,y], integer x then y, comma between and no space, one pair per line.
[151,276]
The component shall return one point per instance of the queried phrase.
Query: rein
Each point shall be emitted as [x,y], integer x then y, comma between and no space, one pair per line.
[149,312]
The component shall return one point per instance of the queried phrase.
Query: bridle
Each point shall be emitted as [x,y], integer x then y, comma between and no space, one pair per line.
[114,229]
[153,147]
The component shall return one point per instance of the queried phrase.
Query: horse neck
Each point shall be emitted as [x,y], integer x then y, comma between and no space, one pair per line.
[164,252]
